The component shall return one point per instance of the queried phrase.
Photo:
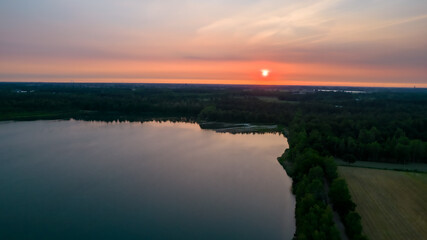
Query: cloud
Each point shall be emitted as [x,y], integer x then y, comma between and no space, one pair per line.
[274,23]
[327,31]
[395,22]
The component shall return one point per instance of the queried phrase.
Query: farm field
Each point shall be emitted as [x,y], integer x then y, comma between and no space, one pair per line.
[416,167]
[393,204]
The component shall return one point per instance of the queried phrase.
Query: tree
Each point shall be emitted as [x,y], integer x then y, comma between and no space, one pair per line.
[315,173]
[340,197]
[353,226]
[330,168]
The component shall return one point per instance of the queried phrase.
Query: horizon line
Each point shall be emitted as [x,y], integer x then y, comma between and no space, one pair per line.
[238,83]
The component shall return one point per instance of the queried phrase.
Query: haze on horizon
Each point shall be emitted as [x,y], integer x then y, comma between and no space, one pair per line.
[306,42]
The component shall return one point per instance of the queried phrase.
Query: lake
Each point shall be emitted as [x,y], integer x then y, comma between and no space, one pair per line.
[97,180]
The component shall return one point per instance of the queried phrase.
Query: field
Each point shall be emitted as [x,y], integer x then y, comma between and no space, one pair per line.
[414,167]
[393,204]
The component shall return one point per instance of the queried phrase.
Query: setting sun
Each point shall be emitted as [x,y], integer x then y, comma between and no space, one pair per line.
[265,72]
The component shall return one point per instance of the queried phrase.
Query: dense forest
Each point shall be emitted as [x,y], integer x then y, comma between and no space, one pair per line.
[316,187]
[322,124]
[386,125]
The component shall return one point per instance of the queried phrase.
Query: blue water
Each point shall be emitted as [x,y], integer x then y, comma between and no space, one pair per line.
[96,180]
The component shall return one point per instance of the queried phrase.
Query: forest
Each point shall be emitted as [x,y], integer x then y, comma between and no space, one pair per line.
[383,125]
[322,124]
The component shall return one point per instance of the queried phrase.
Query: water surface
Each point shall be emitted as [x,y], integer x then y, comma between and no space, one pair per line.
[96,180]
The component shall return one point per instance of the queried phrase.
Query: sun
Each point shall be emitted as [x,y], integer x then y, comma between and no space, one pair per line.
[265,72]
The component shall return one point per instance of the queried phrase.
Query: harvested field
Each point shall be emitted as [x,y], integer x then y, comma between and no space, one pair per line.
[393,204]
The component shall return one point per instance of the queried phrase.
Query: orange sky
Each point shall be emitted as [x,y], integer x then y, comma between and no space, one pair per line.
[211,72]
[324,42]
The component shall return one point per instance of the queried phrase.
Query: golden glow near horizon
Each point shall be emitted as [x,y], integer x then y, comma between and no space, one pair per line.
[318,42]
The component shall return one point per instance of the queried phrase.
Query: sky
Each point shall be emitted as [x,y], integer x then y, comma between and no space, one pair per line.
[301,42]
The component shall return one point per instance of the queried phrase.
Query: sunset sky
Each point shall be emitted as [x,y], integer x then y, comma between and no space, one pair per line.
[304,42]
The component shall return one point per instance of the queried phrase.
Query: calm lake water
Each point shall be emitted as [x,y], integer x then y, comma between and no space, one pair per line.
[97,180]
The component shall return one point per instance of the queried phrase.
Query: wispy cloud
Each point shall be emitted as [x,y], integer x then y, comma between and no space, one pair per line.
[401,21]
[274,23]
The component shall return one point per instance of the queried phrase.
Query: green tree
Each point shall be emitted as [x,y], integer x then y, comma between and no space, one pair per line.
[330,168]
[353,225]
[340,197]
